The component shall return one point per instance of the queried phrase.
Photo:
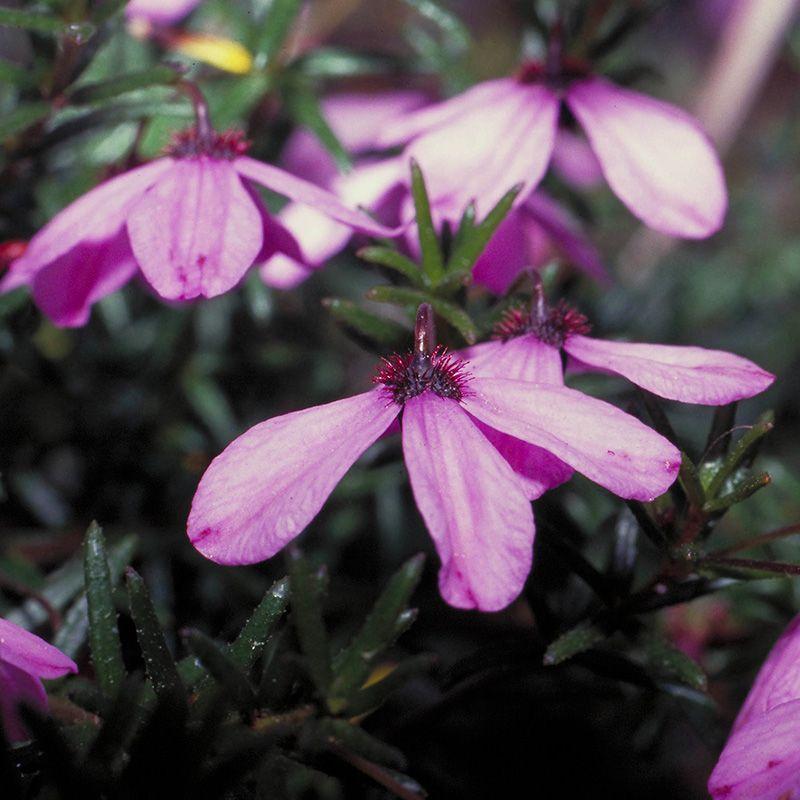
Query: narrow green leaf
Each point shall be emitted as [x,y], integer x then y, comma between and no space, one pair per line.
[674,664]
[323,733]
[307,618]
[103,632]
[576,640]
[455,34]
[473,241]
[375,694]
[250,642]
[740,492]
[17,75]
[354,663]
[225,671]
[44,23]
[387,257]
[432,260]
[275,27]
[752,567]
[105,10]
[120,721]
[158,661]
[106,90]
[365,324]
[690,481]
[22,117]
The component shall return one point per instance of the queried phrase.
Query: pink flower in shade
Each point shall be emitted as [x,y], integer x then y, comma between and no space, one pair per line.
[761,759]
[268,485]
[529,237]
[160,12]
[24,660]
[655,157]
[190,222]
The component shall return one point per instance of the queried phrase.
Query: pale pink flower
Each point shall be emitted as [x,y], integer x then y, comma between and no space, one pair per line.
[160,12]
[761,759]
[268,485]
[24,660]
[654,156]
[191,222]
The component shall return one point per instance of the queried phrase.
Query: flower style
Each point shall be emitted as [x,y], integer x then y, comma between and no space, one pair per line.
[191,222]
[654,156]
[24,660]
[761,760]
[160,12]
[527,238]
[267,485]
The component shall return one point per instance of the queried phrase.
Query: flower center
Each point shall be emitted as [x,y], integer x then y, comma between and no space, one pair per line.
[556,73]
[190,144]
[553,327]
[410,374]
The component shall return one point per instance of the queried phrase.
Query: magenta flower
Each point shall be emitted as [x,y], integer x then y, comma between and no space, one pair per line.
[191,222]
[655,157]
[761,760]
[24,660]
[268,485]
[160,12]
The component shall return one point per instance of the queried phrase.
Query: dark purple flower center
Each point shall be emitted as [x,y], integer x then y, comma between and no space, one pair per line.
[557,74]
[410,374]
[553,327]
[190,144]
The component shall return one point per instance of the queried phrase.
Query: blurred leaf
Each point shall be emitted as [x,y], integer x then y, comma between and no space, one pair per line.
[333,62]
[114,87]
[365,324]
[455,34]
[672,663]
[322,734]
[22,117]
[353,665]
[158,661]
[103,633]
[388,257]
[307,617]
[576,640]
[275,27]
[44,23]
[432,263]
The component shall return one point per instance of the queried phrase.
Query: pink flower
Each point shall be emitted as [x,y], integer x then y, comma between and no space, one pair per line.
[761,760]
[268,485]
[24,660]
[529,237]
[499,133]
[191,222]
[160,12]
[686,374]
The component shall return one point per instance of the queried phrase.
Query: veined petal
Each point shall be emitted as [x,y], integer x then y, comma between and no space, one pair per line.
[523,358]
[16,687]
[607,445]
[761,760]
[268,484]
[472,503]
[302,191]
[196,231]
[655,157]
[505,256]
[94,217]
[575,161]
[32,654]
[688,374]
[484,151]
[67,288]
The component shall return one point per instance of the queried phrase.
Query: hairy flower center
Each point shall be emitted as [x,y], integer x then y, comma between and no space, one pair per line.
[553,328]
[190,144]
[410,374]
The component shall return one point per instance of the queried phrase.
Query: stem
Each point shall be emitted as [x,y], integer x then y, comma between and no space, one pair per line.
[424,331]
[205,132]
[538,301]
[757,541]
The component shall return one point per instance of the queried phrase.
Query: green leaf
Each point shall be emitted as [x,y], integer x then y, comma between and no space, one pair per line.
[307,617]
[43,23]
[576,640]
[353,665]
[374,695]
[690,481]
[21,77]
[106,90]
[330,733]
[740,492]
[158,661]
[225,671]
[274,28]
[365,324]
[105,10]
[674,664]
[22,117]
[470,243]
[103,632]
[432,262]
[455,34]
[250,642]
[388,257]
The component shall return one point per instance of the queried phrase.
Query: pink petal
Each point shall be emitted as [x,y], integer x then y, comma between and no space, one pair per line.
[505,256]
[197,231]
[16,687]
[761,760]
[94,217]
[67,288]
[472,503]
[654,156]
[608,446]
[159,11]
[524,358]
[566,234]
[268,484]
[484,151]
[778,680]
[32,654]
[284,272]
[304,192]
[688,374]
[575,161]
